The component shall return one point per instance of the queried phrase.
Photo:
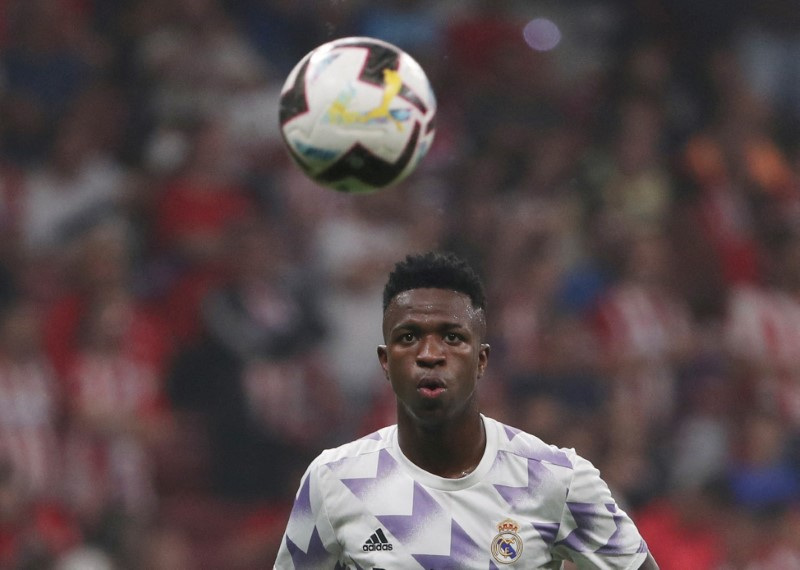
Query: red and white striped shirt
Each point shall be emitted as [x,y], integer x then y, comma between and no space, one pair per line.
[29,408]
[643,331]
[110,465]
[762,329]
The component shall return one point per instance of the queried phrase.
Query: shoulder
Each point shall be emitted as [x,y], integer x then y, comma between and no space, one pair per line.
[516,442]
[358,451]
[559,468]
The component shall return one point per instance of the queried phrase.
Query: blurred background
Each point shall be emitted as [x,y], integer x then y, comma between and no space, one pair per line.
[186,320]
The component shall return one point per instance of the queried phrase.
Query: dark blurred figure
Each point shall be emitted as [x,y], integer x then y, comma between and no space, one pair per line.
[251,379]
[769,46]
[760,474]
[50,57]
[283,31]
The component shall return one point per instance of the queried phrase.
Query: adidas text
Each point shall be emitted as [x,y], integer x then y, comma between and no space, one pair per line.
[377,541]
[372,547]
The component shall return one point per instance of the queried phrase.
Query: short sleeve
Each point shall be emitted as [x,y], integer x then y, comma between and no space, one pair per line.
[594,531]
[309,541]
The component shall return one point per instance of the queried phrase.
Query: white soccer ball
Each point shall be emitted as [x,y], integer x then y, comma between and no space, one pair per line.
[357,114]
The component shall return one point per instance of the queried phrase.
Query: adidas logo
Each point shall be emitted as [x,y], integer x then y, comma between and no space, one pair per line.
[377,541]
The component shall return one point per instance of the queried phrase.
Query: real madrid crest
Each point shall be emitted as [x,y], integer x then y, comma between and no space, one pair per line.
[507,544]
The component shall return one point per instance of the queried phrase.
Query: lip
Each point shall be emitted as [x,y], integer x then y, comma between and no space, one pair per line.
[431,387]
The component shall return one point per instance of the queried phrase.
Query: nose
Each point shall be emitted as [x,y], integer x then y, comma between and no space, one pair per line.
[431,352]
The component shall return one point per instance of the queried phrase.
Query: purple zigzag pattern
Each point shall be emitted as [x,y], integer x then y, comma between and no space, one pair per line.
[587,520]
[511,432]
[615,543]
[376,435]
[302,505]
[362,487]
[516,497]
[547,453]
[424,509]
[555,456]
[463,552]
[342,566]
[313,557]
[548,531]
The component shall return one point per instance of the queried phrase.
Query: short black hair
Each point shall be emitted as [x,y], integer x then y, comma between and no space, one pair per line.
[436,270]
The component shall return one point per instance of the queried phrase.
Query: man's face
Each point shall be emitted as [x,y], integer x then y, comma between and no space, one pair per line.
[434,353]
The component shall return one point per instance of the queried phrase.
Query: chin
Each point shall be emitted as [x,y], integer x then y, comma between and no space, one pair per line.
[427,413]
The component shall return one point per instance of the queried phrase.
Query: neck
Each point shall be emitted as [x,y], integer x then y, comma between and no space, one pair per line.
[452,449]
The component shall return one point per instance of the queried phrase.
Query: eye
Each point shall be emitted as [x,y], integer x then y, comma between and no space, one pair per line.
[407,337]
[452,337]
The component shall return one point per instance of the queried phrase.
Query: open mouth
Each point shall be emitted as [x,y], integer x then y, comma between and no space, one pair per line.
[431,387]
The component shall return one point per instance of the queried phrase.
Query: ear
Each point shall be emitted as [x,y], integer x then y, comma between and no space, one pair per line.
[483,358]
[383,358]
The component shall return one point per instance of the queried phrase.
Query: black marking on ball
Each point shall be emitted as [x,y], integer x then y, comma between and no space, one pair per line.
[373,170]
[294,101]
[382,57]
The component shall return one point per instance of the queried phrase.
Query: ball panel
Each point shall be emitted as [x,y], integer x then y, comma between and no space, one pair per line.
[366,170]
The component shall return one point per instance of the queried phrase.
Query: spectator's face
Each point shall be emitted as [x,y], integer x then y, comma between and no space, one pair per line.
[433,354]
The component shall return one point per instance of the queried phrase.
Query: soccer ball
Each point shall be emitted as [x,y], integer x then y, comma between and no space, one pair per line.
[357,114]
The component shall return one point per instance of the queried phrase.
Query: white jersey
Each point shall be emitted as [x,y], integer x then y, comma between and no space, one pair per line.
[365,506]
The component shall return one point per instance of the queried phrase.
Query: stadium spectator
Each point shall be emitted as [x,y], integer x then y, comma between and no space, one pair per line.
[195,58]
[256,367]
[50,57]
[191,213]
[645,331]
[75,189]
[101,266]
[760,474]
[117,420]
[700,446]
[760,327]
[638,190]
[349,251]
[31,400]
[768,44]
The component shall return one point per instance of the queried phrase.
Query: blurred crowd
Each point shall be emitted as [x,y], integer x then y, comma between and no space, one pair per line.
[186,320]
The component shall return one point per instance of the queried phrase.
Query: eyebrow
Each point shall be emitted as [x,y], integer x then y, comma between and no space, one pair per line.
[415,326]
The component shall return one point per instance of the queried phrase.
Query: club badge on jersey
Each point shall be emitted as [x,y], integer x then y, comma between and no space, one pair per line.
[507,544]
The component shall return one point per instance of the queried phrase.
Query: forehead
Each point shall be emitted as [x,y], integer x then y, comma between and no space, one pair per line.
[428,304]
